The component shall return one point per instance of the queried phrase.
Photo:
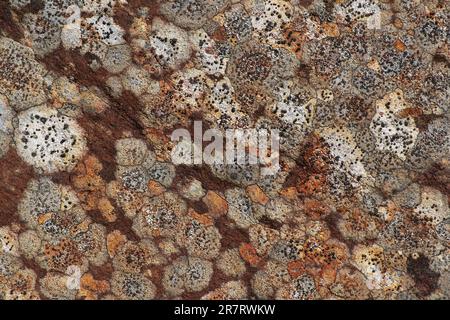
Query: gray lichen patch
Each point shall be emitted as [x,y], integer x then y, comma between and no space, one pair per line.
[21,76]
[6,125]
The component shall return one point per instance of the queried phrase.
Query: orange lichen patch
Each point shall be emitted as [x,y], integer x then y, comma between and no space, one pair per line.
[296,268]
[248,253]
[160,142]
[317,155]
[328,275]
[156,233]
[398,23]
[313,249]
[217,206]
[106,209]
[294,41]
[390,211]
[114,241]
[87,177]
[92,165]
[202,218]
[331,29]
[62,255]
[332,253]
[289,193]
[91,288]
[88,199]
[165,86]
[315,209]
[92,188]
[399,45]
[314,184]
[44,218]
[139,28]
[357,222]
[82,227]
[337,253]
[155,188]
[257,195]
[216,295]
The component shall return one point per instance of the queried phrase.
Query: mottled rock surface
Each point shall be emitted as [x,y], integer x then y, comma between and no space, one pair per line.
[94,206]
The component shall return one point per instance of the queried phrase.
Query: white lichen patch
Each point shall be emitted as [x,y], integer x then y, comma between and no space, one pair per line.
[434,207]
[48,140]
[353,10]
[394,131]
[347,156]
[117,58]
[370,261]
[170,43]
[108,31]
[208,57]
[240,208]
[131,152]
[293,107]
[191,86]
[94,33]
[71,31]
[269,17]
[227,111]
[98,6]
[40,197]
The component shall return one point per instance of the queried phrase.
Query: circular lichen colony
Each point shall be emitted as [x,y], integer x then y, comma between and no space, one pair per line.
[99,202]
[48,140]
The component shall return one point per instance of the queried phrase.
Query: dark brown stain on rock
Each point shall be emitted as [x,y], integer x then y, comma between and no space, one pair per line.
[102,272]
[232,236]
[8,25]
[426,280]
[305,3]
[332,221]
[437,177]
[204,175]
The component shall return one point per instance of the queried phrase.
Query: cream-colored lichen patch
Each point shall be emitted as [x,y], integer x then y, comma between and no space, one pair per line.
[434,207]
[347,156]
[395,131]
[170,43]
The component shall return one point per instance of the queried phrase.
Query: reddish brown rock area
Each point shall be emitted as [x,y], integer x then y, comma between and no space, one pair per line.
[99,201]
